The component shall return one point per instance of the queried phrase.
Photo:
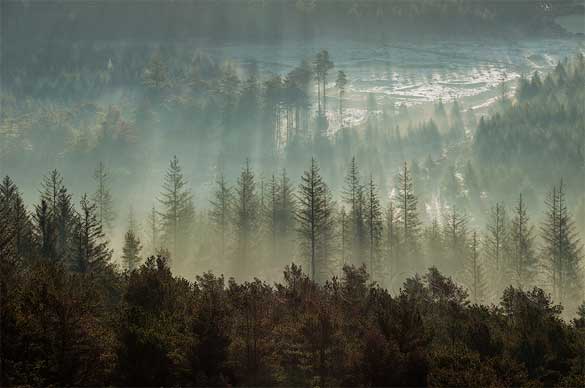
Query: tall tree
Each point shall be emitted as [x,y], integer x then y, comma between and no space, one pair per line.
[562,249]
[523,259]
[59,216]
[246,214]
[103,197]
[177,207]
[496,243]
[374,225]
[322,65]
[407,207]
[314,216]
[92,253]
[353,196]
[15,216]
[220,213]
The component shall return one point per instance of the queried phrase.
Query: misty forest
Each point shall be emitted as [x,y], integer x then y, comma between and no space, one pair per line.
[292,193]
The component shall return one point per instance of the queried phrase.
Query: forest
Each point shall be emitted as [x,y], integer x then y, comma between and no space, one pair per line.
[284,201]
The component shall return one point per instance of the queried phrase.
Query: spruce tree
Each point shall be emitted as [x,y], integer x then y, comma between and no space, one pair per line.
[409,222]
[177,209]
[315,219]
[497,245]
[247,218]
[562,250]
[15,216]
[523,259]
[374,226]
[92,252]
[220,214]
[353,196]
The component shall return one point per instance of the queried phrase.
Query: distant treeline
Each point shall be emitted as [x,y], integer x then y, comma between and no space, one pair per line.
[35,22]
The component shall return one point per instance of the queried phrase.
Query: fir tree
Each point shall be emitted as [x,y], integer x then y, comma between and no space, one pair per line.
[314,216]
[15,216]
[407,208]
[220,213]
[496,243]
[562,249]
[523,259]
[353,196]
[374,225]
[177,209]
[246,216]
[92,253]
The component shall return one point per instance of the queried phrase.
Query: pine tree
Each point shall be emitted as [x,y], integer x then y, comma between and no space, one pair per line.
[92,253]
[177,213]
[562,249]
[353,196]
[247,217]
[59,218]
[407,207]
[496,245]
[220,214]
[15,216]
[523,259]
[315,219]
[103,198]
[374,225]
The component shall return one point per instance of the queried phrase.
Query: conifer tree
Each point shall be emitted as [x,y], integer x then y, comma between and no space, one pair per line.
[177,209]
[59,218]
[247,217]
[131,250]
[523,259]
[409,222]
[374,226]
[314,216]
[92,251]
[220,213]
[353,196]
[562,249]
[103,197]
[15,216]
[496,244]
